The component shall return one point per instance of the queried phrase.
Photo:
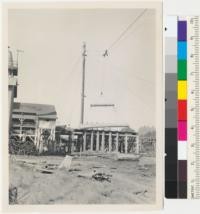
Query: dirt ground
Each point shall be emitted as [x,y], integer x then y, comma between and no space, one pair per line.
[131,182]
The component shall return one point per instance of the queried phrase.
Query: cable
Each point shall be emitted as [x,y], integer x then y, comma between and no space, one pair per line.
[74,66]
[129,26]
[151,84]
[149,108]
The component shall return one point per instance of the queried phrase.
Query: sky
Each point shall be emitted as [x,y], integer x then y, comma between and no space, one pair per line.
[50,67]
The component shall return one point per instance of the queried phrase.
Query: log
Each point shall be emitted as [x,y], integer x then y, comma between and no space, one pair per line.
[129,157]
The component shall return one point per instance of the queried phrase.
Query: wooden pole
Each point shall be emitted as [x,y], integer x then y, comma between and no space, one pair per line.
[83,83]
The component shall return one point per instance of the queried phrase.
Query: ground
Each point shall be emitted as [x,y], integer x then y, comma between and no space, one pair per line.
[131,182]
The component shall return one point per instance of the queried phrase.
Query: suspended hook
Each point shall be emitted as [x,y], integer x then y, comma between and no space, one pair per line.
[105,53]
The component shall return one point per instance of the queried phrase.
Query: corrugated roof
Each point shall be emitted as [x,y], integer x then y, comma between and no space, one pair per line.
[108,127]
[41,110]
[128,130]
[103,125]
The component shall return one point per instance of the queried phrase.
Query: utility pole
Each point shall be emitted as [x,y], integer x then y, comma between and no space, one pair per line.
[83,83]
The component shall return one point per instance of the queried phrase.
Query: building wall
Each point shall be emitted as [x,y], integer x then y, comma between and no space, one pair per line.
[10,104]
[40,131]
[47,124]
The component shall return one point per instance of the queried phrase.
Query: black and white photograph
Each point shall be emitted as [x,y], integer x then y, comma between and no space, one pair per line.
[84,87]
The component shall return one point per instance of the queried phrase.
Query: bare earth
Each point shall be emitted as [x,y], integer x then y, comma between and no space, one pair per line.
[131,182]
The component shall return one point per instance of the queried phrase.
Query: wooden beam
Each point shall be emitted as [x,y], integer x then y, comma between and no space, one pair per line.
[102,105]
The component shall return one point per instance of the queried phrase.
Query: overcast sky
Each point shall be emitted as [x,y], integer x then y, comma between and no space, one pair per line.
[51,65]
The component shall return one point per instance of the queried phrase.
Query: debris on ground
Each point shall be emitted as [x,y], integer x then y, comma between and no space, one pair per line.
[86,175]
[51,166]
[127,157]
[97,167]
[44,170]
[12,195]
[113,168]
[102,177]
[140,192]
[47,168]
[142,168]
[74,170]
[146,175]
[88,186]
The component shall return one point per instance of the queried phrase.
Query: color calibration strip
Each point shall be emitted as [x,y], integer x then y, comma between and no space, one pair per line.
[171,146]
[182,107]
[176,107]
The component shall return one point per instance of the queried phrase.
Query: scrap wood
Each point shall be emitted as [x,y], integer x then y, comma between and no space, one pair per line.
[24,196]
[86,175]
[47,168]
[130,157]
[34,162]
[51,166]
[143,168]
[45,171]
[98,167]
[140,192]
[102,177]
[74,170]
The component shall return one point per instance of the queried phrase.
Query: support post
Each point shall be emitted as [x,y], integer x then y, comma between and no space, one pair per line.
[137,145]
[37,138]
[117,142]
[35,133]
[97,141]
[84,141]
[110,142]
[91,141]
[102,141]
[72,142]
[126,144]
